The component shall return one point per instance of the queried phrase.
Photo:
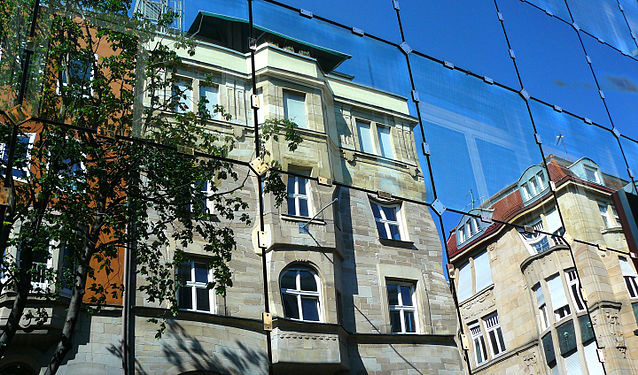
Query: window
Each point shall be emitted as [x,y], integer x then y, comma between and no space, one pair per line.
[480,350]
[591,174]
[494,334]
[534,185]
[365,137]
[298,196]
[300,294]
[375,139]
[572,363]
[21,156]
[538,242]
[630,277]
[559,300]
[465,282]
[295,108]
[209,95]
[402,307]
[387,219]
[594,366]
[385,142]
[204,204]
[76,77]
[608,214]
[574,289]
[182,96]
[482,271]
[635,307]
[468,229]
[195,294]
[541,305]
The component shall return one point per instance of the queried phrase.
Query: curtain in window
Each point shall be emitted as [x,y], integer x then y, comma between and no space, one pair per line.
[385,142]
[295,108]
[365,137]
[483,272]
[556,292]
[465,282]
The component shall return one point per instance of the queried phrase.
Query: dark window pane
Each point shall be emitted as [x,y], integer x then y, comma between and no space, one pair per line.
[203,299]
[201,273]
[310,308]
[409,321]
[566,337]
[303,207]
[394,231]
[291,184]
[291,207]
[492,335]
[375,210]
[395,321]
[635,306]
[308,281]
[500,337]
[288,280]
[548,346]
[484,347]
[586,332]
[381,229]
[185,298]
[390,213]
[576,293]
[393,294]
[291,309]
[406,295]
[185,271]
[477,348]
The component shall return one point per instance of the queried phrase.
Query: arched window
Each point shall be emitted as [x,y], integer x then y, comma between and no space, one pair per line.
[300,294]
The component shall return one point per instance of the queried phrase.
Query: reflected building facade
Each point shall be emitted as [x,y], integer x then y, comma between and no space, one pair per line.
[559,305]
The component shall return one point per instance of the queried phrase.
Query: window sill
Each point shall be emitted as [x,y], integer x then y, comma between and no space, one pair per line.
[397,243]
[616,229]
[302,219]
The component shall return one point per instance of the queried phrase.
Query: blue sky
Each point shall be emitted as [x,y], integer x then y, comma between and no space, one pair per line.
[480,134]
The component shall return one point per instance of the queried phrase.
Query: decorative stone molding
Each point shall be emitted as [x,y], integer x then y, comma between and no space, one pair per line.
[478,305]
[301,336]
[530,363]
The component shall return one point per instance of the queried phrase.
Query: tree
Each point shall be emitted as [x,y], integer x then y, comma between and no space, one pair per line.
[95,189]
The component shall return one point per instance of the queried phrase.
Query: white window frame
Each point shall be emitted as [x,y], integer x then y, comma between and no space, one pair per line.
[194,285]
[296,196]
[378,144]
[375,138]
[573,284]
[597,178]
[492,325]
[402,308]
[478,339]
[27,170]
[386,222]
[299,293]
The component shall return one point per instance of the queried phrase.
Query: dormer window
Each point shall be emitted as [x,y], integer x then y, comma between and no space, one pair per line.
[592,174]
[468,230]
[534,185]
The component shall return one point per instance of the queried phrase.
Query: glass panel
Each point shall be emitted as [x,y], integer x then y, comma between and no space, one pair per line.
[183,94]
[499,332]
[385,142]
[631,14]
[393,294]
[618,78]
[465,282]
[603,19]
[488,128]
[551,61]
[211,95]
[291,207]
[365,137]
[288,280]
[557,7]
[308,281]
[566,337]
[572,364]
[591,358]
[338,50]
[376,17]
[548,345]
[185,271]
[295,108]
[635,307]
[381,230]
[406,295]
[409,321]
[395,321]
[395,232]
[483,271]
[301,185]
[203,299]
[233,8]
[586,331]
[556,291]
[303,207]
[291,309]
[201,273]
[375,210]
[310,307]
[465,32]
[185,298]
[390,213]
[572,146]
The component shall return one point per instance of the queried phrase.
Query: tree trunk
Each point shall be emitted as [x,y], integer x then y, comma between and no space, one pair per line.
[72,315]
[23,284]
